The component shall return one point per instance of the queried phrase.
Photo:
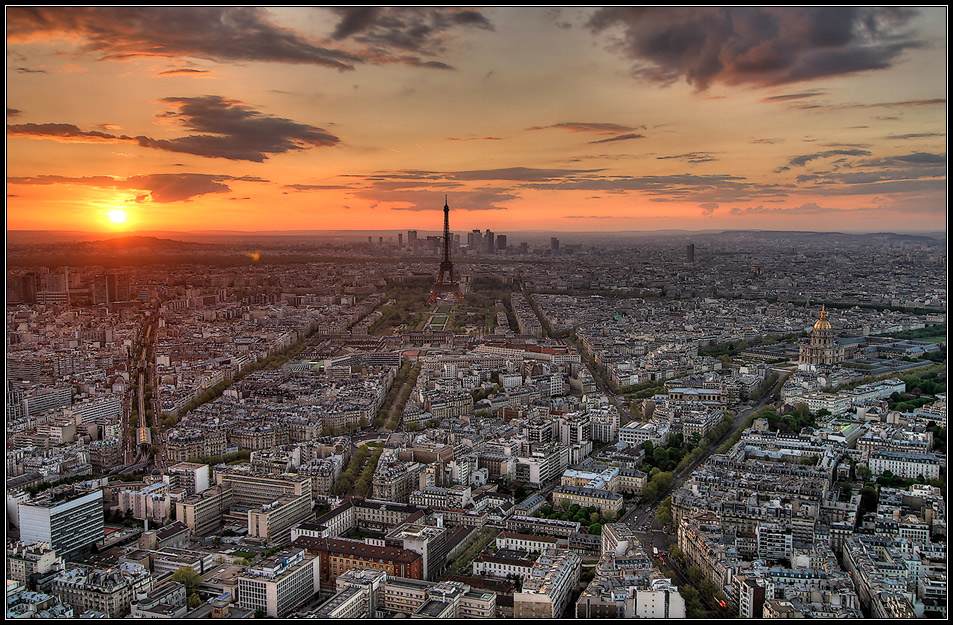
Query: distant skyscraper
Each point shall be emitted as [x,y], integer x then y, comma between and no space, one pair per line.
[690,252]
[400,240]
[411,237]
[490,249]
[501,242]
[554,244]
[475,241]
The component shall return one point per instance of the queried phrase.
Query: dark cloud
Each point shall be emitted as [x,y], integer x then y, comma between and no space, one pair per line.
[708,208]
[13,112]
[800,161]
[398,34]
[756,45]
[159,188]
[27,70]
[230,130]
[215,33]
[919,158]
[65,132]
[237,131]
[917,173]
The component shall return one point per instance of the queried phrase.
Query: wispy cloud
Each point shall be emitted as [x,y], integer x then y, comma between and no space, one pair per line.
[800,161]
[184,71]
[692,157]
[158,188]
[423,199]
[594,127]
[474,138]
[619,132]
[787,97]
[918,135]
[316,187]
[625,137]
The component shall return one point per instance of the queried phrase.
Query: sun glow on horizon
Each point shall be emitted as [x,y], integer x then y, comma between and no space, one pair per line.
[117,216]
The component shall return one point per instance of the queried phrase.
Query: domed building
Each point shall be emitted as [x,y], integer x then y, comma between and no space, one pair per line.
[823,348]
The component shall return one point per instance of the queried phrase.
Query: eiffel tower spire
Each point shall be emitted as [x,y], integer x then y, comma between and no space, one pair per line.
[446,283]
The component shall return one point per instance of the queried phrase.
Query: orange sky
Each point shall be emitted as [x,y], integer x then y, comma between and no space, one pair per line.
[196,118]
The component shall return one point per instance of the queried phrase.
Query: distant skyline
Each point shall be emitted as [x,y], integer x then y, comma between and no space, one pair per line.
[559,119]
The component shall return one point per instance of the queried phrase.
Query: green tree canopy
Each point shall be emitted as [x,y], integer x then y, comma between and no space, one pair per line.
[187,576]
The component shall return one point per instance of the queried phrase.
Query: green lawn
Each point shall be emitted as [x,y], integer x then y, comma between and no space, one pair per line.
[242,554]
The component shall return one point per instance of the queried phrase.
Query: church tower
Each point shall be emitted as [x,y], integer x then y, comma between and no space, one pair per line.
[823,348]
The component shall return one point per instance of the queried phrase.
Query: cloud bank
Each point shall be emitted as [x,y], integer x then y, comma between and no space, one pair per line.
[756,45]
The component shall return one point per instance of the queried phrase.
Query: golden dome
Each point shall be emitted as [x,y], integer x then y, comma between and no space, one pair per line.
[823,323]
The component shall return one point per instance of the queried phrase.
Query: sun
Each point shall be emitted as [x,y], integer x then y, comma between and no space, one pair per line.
[117,216]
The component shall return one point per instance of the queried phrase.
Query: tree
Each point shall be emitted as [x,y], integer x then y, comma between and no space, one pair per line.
[657,486]
[661,457]
[664,513]
[194,601]
[187,576]
[595,529]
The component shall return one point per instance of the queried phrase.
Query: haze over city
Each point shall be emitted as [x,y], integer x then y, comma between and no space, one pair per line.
[562,119]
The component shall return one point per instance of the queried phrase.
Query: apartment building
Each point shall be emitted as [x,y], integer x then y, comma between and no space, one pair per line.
[281,583]
[68,517]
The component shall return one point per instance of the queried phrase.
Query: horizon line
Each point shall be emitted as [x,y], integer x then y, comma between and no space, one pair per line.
[403,230]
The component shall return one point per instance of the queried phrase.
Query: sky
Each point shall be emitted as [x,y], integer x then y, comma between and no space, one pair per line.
[524,118]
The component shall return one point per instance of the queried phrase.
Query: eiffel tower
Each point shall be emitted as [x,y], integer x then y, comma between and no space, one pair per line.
[446,283]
